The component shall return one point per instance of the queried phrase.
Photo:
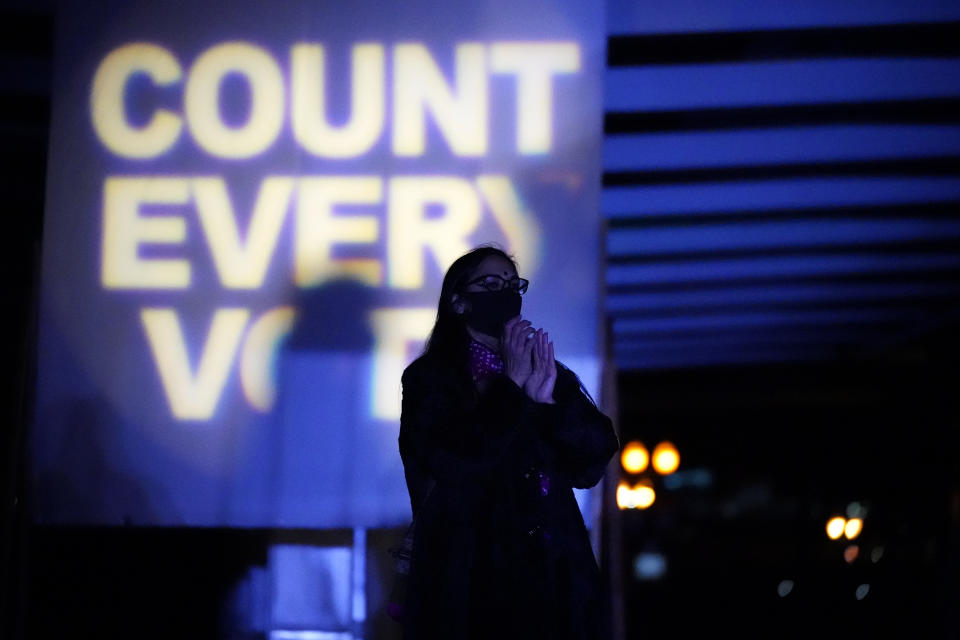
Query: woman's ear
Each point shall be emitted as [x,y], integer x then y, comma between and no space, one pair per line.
[458,304]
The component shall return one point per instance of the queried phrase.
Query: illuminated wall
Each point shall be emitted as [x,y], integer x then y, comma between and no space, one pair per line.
[250,208]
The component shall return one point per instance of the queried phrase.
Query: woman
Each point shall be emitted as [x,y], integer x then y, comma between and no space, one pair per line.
[493,435]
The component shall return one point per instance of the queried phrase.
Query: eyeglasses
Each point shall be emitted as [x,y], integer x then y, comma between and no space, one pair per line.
[494,282]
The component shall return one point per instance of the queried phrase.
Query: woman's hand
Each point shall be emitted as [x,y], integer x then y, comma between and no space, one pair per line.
[516,350]
[540,383]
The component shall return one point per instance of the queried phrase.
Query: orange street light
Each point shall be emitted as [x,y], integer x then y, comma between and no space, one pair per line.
[852,528]
[634,458]
[639,496]
[835,527]
[666,459]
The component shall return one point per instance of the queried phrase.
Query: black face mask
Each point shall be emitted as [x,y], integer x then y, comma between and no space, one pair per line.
[490,310]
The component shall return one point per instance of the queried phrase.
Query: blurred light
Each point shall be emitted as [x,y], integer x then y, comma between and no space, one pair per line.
[666,459]
[696,478]
[635,457]
[649,566]
[850,553]
[645,496]
[852,528]
[784,588]
[639,496]
[876,554]
[626,499]
[835,527]
[287,634]
[856,510]
[862,591]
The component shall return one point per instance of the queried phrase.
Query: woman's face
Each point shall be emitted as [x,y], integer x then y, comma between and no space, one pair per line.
[492,265]
[494,274]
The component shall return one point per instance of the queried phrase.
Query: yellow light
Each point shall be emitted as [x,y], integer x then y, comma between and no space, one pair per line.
[835,527]
[852,528]
[634,457]
[645,495]
[639,496]
[625,496]
[666,459]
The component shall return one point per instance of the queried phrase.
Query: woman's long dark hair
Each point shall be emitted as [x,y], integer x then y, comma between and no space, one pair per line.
[449,339]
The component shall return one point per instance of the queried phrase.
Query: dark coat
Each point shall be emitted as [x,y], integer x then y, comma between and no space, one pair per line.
[497,553]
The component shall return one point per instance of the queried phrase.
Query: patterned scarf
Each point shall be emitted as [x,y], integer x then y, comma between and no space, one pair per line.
[483,361]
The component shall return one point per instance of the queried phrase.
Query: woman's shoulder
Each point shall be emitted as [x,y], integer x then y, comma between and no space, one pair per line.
[430,375]
[426,368]
[422,365]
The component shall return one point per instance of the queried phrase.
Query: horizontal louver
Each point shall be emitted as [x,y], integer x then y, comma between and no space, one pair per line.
[779,191]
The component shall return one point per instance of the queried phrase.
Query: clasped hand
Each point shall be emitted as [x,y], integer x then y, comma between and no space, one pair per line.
[528,359]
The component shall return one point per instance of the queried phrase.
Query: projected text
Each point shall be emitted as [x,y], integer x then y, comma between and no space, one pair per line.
[460,108]
[378,230]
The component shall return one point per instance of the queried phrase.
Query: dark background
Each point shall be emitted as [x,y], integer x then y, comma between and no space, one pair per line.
[788,442]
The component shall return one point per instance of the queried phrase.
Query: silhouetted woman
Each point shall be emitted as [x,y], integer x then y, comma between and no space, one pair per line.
[493,435]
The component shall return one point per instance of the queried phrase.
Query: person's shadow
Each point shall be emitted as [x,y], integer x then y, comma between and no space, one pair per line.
[320,454]
[332,317]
